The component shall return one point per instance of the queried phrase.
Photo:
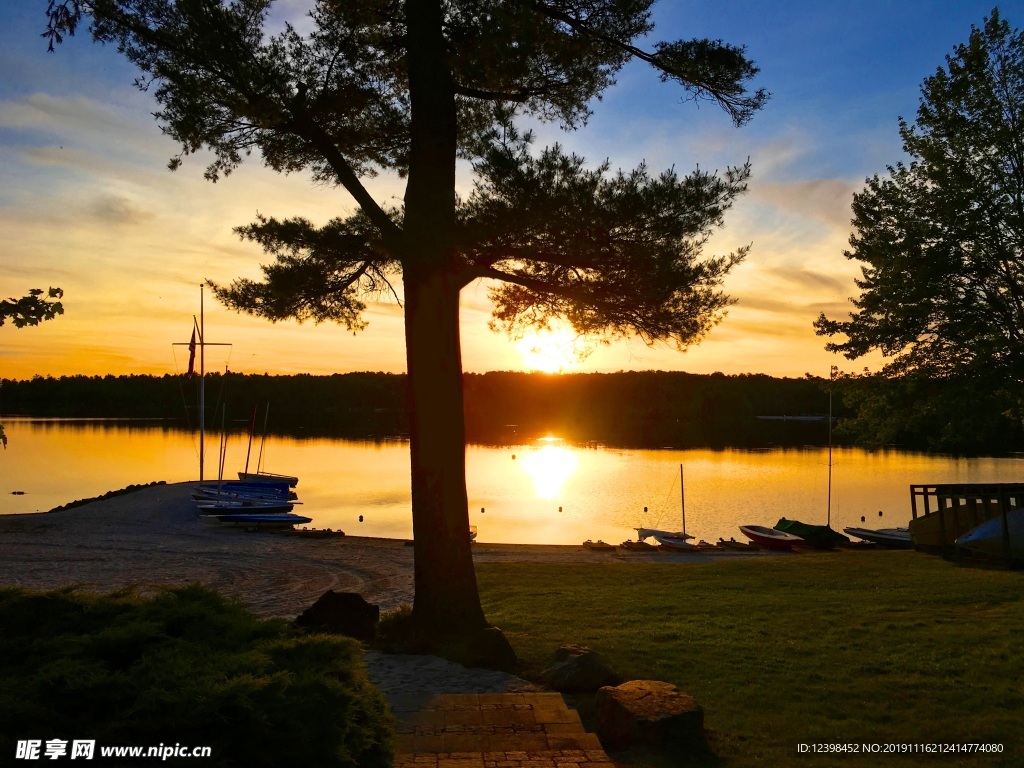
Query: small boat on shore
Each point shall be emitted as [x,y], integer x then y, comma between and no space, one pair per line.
[769,537]
[989,538]
[817,536]
[599,546]
[674,542]
[268,477]
[637,546]
[243,506]
[890,538]
[241,491]
[260,520]
[737,545]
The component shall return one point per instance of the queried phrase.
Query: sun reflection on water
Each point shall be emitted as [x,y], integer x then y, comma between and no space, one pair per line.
[549,467]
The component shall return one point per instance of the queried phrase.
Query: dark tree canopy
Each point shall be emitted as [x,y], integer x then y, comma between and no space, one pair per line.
[942,237]
[409,87]
[37,306]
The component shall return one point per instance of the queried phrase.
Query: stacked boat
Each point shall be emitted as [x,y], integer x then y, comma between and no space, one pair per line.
[255,503]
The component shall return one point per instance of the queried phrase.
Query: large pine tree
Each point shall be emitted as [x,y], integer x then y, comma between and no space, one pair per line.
[409,87]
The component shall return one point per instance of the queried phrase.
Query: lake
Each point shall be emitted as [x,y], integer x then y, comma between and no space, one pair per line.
[543,492]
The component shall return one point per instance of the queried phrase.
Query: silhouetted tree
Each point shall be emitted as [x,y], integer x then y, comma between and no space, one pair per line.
[942,238]
[37,306]
[410,87]
[30,310]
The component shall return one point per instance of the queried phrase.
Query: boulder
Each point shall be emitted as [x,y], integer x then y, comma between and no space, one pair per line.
[490,649]
[341,613]
[649,713]
[577,669]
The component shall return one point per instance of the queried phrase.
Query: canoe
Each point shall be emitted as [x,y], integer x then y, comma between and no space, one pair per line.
[818,536]
[988,538]
[890,538]
[769,537]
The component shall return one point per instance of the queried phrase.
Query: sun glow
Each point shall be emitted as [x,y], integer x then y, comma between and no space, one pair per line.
[552,351]
[549,467]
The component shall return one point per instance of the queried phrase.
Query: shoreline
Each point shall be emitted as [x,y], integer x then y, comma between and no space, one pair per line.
[151,535]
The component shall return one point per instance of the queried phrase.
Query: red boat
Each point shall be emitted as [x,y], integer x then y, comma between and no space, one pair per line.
[769,537]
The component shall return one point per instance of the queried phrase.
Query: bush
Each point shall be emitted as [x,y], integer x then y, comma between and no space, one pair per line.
[185,667]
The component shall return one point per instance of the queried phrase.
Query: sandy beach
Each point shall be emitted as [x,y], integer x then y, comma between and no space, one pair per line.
[153,536]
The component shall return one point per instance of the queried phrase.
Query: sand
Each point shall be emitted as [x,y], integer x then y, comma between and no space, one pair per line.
[153,536]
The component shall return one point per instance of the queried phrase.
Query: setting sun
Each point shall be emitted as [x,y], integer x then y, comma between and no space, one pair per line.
[552,351]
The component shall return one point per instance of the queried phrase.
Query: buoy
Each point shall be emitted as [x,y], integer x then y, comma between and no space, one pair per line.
[360,518]
[482,510]
[645,509]
[559,509]
[513,457]
[862,518]
[879,513]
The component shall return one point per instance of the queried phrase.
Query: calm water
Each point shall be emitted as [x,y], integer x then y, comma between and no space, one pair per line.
[545,492]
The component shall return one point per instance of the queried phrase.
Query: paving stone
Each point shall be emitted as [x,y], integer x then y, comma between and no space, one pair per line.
[518,730]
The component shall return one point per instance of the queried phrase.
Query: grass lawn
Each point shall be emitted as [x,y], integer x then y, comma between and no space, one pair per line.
[825,648]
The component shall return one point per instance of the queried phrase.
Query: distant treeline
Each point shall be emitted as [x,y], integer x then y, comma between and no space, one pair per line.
[650,408]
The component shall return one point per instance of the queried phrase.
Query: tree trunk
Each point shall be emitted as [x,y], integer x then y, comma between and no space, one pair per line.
[446,600]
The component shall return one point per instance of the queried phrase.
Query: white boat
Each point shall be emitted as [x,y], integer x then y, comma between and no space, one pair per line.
[891,538]
[989,538]
[646,533]
[674,538]
[675,542]
[769,537]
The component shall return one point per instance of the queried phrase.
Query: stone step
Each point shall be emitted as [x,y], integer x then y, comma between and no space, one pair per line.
[492,730]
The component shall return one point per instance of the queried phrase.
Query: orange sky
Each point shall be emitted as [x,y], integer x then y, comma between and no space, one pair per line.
[87,204]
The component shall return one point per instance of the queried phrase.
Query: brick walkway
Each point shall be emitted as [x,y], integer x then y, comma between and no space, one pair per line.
[493,730]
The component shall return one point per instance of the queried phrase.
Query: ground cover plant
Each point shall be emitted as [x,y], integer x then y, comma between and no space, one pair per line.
[844,647]
[188,667]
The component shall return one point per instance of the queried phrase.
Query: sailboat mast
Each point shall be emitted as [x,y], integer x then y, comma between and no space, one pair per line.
[202,386]
[248,451]
[682,496]
[263,441]
[831,379]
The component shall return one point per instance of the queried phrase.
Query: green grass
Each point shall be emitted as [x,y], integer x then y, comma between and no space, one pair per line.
[845,647]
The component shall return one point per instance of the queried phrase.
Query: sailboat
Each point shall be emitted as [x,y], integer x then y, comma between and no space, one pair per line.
[818,536]
[231,505]
[260,475]
[200,343]
[673,540]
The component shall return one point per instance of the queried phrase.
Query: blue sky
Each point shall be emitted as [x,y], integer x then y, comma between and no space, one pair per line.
[86,201]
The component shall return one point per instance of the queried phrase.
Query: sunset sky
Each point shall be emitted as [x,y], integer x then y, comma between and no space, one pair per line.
[87,203]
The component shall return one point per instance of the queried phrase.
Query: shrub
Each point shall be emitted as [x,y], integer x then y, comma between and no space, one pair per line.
[185,667]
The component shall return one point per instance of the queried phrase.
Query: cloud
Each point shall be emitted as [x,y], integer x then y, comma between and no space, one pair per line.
[808,279]
[116,210]
[824,200]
